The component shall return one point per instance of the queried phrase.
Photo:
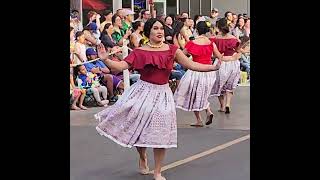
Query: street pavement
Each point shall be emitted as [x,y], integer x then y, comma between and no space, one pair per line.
[94,157]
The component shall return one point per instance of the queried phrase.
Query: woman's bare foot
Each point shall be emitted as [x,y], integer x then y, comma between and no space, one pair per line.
[198,124]
[158,177]
[83,107]
[74,107]
[222,109]
[143,166]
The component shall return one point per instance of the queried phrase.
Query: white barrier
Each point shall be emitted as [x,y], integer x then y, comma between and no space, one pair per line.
[125,51]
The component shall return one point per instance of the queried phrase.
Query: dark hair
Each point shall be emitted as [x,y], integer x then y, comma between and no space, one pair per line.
[106,27]
[71,28]
[237,24]
[106,12]
[244,39]
[79,33]
[177,28]
[148,26]
[114,17]
[202,28]
[173,16]
[76,70]
[182,19]
[196,17]
[143,12]
[223,26]
[135,25]
[226,14]
[168,17]
[74,11]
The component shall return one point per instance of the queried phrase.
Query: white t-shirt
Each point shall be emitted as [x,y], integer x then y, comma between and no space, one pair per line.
[80,49]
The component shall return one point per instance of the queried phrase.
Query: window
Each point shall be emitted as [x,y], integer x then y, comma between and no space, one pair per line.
[96,5]
[205,7]
[183,6]
[195,10]
[126,4]
[160,7]
[138,6]
[171,7]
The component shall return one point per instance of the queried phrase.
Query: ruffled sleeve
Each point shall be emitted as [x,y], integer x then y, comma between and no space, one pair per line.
[188,46]
[233,43]
[139,58]
[173,49]
[198,50]
[131,58]
[227,46]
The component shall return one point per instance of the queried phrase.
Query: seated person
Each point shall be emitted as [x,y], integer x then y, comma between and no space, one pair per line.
[245,56]
[98,67]
[134,76]
[177,73]
[89,81]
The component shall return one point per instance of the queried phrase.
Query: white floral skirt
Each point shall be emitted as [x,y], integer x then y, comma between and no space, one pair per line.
[194,89]
[144,116]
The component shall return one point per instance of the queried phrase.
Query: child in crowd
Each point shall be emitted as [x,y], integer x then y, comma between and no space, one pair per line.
[89,81]
[77,94]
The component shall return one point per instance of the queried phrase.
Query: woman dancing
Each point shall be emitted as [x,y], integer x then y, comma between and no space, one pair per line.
[194,89]
[229,73]
[145,115]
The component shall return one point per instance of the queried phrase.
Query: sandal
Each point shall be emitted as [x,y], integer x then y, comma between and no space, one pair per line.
[196,125]
[227,110]
[209,119]
[143,171]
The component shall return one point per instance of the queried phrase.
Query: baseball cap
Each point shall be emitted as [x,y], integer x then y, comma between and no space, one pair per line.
[215,10]
[127,12]
[91,51]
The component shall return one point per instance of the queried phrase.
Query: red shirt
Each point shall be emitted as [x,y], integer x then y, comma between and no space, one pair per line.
[227,46]
[200,53]
[154,66]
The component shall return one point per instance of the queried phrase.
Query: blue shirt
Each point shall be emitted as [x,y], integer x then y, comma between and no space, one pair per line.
[83,78]
[95,64]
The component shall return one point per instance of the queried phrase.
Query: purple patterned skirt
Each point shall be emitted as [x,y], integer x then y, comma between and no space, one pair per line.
[194,89]
[227,78]
[144,116]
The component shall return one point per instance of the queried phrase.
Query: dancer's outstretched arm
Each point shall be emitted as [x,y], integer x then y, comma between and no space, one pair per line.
[186,63]
[117,66]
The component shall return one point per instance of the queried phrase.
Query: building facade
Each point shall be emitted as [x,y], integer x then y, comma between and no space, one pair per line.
[193,7]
